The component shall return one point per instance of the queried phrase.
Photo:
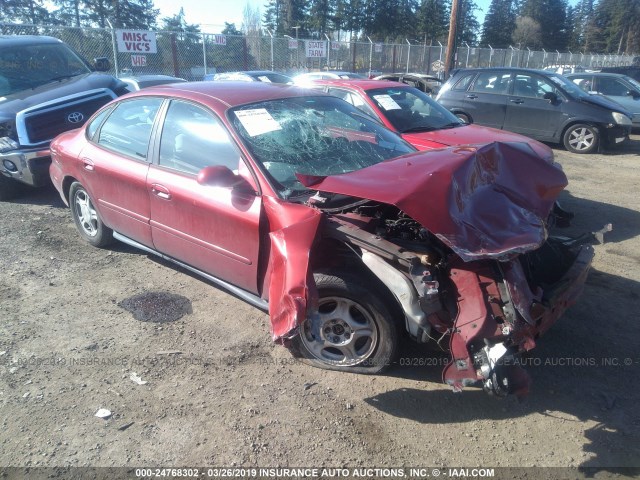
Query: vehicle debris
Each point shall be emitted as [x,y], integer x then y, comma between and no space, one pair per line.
[103,413]
[136,379]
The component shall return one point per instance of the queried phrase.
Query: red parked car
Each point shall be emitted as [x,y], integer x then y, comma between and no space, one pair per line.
[418,118]
[301,205]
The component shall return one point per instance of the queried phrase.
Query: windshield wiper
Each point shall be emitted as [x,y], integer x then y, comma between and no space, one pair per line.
[451,125]
[61,77]
[420,128]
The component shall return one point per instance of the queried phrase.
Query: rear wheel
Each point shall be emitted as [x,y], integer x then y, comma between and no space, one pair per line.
[464,117]
[581,138]
[353,330]
[86,217]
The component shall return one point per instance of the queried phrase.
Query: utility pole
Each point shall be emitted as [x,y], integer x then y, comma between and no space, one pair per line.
[451,42]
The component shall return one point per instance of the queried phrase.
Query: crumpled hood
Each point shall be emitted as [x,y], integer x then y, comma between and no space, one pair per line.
[472,135]
[482,202]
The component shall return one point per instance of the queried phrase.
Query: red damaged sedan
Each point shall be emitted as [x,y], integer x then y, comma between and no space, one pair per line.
[301,205]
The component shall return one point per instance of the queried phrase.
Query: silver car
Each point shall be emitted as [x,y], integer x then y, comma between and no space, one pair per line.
[617,87]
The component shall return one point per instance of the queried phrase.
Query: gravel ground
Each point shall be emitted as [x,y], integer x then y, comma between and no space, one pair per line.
[212,390]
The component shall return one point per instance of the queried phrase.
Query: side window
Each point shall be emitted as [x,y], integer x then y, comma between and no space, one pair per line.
[583,82]
[193,138]
[128,128]
[492,82]
[464,82]
[533,86]
[92,128]
[354,99]
[611,86]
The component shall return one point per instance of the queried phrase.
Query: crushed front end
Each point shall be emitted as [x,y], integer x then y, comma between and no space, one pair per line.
[464,248]
[504,307]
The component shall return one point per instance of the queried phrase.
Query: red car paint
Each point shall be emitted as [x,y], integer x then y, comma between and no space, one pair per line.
[485,203]
[465,135]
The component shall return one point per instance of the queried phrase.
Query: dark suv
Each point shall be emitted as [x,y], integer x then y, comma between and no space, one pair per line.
[542,105]
[45,89]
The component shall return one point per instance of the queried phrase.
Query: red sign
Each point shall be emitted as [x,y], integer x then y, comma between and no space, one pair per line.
[138,60]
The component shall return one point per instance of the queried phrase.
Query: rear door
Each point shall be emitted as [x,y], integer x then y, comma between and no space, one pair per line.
[528,112]
[486,98]
[115,166]
[214,229]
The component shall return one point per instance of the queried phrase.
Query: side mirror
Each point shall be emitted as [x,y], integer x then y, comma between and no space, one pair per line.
[101,64]
[550,97]
[634,94]
[219,176]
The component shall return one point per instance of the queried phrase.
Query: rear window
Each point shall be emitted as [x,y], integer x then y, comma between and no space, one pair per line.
[464,82]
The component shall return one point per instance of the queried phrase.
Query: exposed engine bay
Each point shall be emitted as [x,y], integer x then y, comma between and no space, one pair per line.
[486,311]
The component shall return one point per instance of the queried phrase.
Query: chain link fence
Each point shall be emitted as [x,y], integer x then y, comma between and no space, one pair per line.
[193,55]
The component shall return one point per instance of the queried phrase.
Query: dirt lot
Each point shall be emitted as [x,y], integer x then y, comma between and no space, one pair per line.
[232,398]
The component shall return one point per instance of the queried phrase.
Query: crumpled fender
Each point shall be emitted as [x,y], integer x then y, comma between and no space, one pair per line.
[292,230]
[483,202]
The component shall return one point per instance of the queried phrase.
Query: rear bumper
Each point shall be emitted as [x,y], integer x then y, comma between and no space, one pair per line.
[30,167]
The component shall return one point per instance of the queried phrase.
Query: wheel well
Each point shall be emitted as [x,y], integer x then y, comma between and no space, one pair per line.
[457,111]
[576,122]
[331,253]
[66,186]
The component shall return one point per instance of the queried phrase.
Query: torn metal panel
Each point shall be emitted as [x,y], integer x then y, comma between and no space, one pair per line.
[293,229]
[486,202]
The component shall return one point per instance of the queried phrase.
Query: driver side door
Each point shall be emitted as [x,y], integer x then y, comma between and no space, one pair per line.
[214,229]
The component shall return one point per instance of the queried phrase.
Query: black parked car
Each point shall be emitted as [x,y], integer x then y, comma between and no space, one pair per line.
[542,105]
[45,89]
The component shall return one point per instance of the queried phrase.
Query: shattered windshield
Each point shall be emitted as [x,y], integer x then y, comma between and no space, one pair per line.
[317,136]
[410,110]
[29,66]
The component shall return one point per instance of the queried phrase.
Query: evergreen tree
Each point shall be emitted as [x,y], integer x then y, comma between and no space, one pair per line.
[433,21]
[552,17]
[468,25]
[70,12]
[320,14]
[24,11]
[499,24]
[134,14]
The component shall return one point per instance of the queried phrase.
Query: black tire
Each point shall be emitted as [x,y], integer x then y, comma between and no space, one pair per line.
[581,138]
[371,351]
[464,117]
[9,188]
[87,218]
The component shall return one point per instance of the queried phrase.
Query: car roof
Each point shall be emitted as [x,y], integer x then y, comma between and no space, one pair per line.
[502,69]
[231,93]
[596,74]
[359,84]
[138,78]
[20,40]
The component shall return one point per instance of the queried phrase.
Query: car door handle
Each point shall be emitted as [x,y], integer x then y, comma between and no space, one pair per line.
[88,164]
[517,100]
[160,191]
[472,96]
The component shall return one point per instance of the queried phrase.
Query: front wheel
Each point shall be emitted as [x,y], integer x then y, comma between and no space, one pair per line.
[581,138]
[87,218]
[353,330]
